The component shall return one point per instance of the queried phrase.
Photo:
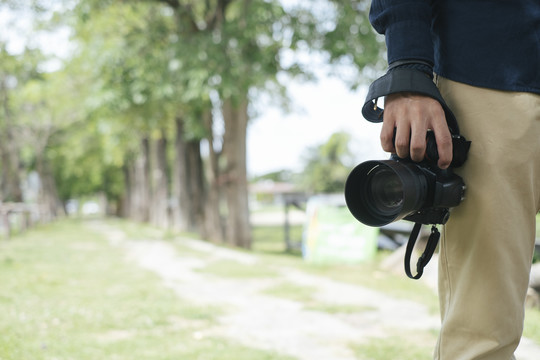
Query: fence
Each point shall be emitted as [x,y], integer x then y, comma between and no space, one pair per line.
[18,217]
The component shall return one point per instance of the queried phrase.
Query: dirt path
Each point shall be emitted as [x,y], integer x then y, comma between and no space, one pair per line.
[268,322]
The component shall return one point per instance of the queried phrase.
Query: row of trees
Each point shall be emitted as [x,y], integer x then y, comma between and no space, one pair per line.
[152,106]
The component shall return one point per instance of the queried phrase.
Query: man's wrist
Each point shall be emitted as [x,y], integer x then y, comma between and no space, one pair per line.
[413,64]
[400,80]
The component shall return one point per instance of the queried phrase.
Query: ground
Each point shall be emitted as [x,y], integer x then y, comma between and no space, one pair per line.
[279,308]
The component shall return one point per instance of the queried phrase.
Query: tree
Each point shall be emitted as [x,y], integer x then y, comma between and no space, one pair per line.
[147,83]
[12,76]
[222,46]
[26,125]
[132,97]
[328,165]
[235,47]
[193,50]
[353,42]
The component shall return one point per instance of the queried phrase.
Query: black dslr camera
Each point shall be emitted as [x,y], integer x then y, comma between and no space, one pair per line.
[380,192]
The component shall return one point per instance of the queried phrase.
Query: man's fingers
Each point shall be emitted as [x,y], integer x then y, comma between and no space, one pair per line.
[412,115]
[387,136]
[444,148]
[402,141]
[418,144]
[444,142]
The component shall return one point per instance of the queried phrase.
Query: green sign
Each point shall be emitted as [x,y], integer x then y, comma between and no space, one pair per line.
[333,235]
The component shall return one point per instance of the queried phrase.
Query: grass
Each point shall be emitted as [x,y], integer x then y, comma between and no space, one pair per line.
[339,308]
[268,242]
[368,275]
[271,239]
[306,296]
[303,294]
[394,348]
[532,325]
[233,269]
[365,274]
[67,294]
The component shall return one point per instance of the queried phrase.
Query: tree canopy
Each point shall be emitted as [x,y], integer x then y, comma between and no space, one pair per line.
[132,112]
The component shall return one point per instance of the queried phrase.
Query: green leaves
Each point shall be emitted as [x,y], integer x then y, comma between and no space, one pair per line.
[136,65]
[327,165]
[353,41]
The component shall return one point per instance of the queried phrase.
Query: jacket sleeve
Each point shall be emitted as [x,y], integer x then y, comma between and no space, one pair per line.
[406,25]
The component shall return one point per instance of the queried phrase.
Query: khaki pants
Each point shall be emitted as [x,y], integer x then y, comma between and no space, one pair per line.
[488,243]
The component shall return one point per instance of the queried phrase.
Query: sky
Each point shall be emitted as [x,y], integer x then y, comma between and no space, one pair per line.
[278,140]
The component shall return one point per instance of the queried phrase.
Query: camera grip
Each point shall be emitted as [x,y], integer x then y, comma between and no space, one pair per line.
[460,149]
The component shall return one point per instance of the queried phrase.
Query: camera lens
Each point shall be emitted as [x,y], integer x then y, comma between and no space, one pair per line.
[380,192]
[385,190]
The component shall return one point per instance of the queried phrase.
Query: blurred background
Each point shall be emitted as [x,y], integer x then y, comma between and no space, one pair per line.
[181,165]
[171,112]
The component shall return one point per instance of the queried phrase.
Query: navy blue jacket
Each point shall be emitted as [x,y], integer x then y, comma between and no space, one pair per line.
[485,43]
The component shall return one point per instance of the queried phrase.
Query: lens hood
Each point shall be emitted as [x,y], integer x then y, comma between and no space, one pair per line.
[378,192]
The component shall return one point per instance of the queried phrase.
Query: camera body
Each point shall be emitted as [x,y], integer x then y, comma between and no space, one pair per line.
[379,192]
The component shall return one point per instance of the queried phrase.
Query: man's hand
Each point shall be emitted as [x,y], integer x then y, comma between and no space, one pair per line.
[412,115]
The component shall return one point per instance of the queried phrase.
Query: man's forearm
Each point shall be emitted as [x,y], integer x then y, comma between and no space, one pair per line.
[406,25]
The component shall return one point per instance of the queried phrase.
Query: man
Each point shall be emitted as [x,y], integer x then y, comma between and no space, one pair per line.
[486,58]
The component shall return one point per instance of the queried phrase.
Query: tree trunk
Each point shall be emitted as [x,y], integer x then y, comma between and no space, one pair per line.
[180,189]
[234,149]
[10,189]
[124,202]
[213,222]
[188,183]
[196,185]
[140,185]
[10,181]
[160,186]
[48,194]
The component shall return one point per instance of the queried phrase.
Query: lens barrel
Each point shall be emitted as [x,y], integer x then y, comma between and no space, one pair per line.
[380,192]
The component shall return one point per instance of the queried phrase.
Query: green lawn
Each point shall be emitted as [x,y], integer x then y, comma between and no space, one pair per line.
[268,240]
[271,239]
[67,294]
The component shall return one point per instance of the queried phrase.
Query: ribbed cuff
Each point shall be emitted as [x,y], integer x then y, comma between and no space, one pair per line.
[414,65]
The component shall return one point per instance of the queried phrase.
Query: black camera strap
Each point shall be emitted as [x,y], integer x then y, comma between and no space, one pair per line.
[426,255]
[404,80]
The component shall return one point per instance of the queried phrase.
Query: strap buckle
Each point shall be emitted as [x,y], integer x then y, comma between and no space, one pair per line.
[424,259]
